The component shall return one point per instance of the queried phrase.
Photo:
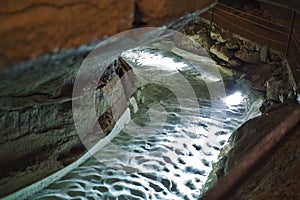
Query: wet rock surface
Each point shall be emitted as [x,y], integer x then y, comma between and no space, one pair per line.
[38,135]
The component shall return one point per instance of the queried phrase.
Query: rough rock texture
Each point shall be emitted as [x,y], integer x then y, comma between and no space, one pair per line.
[38,135]
[266,69]
[221,52]
[277,176]
[36,27]
[248,56]
[158,12]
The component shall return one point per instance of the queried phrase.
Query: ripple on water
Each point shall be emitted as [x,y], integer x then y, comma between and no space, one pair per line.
[171,163]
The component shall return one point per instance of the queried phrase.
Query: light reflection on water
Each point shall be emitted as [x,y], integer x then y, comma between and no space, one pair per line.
[234,99]
[166,160]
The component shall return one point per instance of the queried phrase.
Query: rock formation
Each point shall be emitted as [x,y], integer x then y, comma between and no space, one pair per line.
[38,135]
[36,27]
[266,69]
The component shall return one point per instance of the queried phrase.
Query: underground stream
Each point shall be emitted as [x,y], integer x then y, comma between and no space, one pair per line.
[163,152]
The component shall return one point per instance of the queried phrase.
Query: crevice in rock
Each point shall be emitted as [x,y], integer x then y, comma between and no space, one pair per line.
[138,16]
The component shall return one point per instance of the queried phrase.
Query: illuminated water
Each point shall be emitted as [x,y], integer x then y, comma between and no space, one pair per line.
[165,151]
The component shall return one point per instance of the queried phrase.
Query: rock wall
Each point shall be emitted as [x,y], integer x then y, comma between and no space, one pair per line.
[159,12]
[36,27]
[275,177]
[38,135]
[266,69]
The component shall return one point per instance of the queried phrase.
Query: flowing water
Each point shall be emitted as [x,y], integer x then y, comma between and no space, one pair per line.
[165,151]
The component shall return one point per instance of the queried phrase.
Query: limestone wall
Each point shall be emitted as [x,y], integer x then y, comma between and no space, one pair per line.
[38,135]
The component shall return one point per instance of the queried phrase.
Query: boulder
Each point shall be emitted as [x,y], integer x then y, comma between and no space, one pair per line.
[249,45]
[260,75]
[221,52]
[275,91]
[252,57]
[233,62]
[203,40]
[217,34]
[264,53]
[232,44]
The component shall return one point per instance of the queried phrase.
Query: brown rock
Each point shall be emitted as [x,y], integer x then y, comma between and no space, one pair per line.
[203,40]
[264,53]
[260,76]
[279,71]
[35,27]
[217,34]
[198,31]
[158,12]
[252,57]
[234,62]
[232,44]
[221,52]
[249,45]
[274,89]
[277,176]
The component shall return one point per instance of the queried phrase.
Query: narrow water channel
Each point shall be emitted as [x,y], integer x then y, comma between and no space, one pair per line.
[163,152]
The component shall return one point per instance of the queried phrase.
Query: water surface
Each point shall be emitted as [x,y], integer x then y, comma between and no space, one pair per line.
[164,152]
